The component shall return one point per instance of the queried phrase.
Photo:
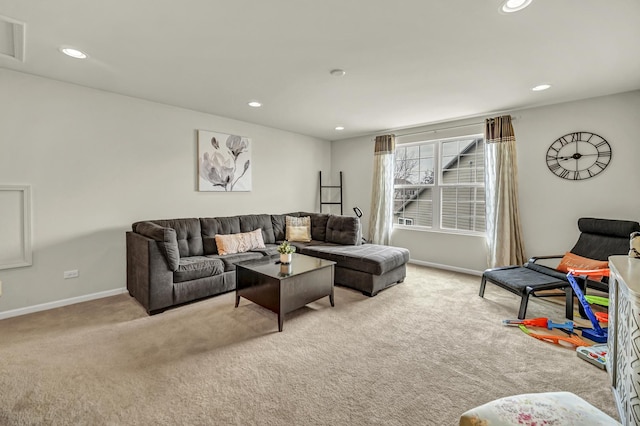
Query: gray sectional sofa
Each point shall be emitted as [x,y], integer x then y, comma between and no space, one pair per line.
[175,261]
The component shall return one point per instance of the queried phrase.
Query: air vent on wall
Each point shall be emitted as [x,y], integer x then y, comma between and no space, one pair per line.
[12,38]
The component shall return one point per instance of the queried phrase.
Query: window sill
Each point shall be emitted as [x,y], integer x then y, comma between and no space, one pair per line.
[439,231]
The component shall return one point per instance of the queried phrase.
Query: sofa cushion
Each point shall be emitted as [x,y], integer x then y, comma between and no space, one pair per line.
[239,243]
[299,245]
[344,230]
[166,238]
[279,224]
[298,228]
[188,234]
[370,258]
[230,260]
[267,250]
[318,225]
[251,222]
[194,267]
[212,226]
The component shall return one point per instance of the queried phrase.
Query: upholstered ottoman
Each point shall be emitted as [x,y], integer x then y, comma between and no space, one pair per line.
[523,281]
[366,267]
[550,408]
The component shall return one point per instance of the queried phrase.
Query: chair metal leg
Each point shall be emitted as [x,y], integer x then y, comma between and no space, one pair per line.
[523,304]
[569,303]
[483,284]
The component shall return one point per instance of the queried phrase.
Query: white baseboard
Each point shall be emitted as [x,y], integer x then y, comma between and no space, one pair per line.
[59,303]
[108,293]
[446,267]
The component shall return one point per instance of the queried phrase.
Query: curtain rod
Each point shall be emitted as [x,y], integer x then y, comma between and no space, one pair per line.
[447,128]
[441,129]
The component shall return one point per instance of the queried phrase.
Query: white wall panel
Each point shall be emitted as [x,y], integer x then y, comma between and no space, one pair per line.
[15,226]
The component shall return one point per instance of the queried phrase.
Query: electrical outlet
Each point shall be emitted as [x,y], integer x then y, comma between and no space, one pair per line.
[70,274]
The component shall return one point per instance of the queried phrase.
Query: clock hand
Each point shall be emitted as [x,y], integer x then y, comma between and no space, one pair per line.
[576,156]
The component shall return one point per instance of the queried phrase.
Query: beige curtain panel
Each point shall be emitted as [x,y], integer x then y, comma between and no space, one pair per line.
[381,216]
[385,144]
[499,129]
[505,245]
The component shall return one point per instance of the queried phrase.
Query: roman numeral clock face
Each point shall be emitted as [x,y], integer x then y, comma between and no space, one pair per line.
[578,155]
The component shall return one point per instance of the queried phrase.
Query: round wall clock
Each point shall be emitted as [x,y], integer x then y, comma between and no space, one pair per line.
[578,155]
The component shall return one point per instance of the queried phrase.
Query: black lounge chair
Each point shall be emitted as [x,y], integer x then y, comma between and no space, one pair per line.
[599,239]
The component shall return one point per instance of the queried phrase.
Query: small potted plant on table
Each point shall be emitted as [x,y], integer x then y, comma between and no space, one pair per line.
[286,251]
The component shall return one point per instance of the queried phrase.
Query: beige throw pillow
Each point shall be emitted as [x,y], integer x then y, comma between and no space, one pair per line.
[239,243]
[298,228]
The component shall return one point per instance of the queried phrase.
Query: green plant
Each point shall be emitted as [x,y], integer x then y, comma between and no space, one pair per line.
[286,248]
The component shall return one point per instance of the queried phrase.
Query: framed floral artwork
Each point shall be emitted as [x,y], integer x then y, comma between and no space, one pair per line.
[224,162]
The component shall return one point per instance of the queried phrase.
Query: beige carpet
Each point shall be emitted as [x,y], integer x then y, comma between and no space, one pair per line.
[419,353]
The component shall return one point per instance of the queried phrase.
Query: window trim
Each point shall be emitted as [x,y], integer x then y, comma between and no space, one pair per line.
[437,187]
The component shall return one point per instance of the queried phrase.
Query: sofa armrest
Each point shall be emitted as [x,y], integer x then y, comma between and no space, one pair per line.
[166,238]
[149,278]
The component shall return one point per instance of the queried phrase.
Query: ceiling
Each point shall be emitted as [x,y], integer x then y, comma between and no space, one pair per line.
[407,62]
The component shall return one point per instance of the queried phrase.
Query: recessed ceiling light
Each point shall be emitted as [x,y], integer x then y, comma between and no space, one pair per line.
[255,104]
[337,72]
[541,87]
[74,53]
[339,128]
[510,6]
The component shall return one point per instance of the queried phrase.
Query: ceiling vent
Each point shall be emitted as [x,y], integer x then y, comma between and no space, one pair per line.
[12,38]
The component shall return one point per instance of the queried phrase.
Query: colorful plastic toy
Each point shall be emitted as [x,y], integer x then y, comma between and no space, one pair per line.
[597,300]
[597,333]
[602,316]
[596,354]
[573,339]
[566,327]
[541,322]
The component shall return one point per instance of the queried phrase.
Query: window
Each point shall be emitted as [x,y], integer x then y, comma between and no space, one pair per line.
[405,221]
[443,176]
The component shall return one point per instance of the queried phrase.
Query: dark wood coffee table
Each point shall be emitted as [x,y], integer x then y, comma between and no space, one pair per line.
[283,288]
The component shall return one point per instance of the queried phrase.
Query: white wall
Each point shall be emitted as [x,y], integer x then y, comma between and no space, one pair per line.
[98,161]
[550,206]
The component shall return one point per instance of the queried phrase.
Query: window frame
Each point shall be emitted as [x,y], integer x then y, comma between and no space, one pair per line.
[438,185]
[405,221]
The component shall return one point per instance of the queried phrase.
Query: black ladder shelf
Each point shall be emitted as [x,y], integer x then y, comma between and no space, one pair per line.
[323,203]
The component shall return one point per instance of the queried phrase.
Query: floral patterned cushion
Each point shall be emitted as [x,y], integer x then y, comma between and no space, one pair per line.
[239,243]
[537,409]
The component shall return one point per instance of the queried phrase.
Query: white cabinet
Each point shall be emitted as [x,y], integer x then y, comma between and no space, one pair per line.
[623,362]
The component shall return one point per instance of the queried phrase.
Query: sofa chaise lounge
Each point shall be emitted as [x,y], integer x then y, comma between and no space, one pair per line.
[175,261]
